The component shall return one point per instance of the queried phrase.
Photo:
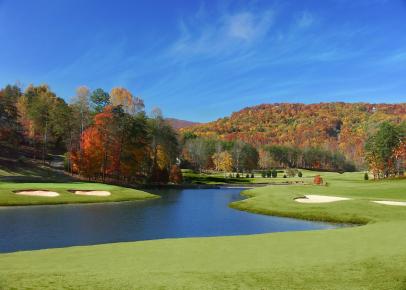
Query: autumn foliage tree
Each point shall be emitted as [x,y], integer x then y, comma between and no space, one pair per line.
[115,146]
[164,147]
[265,160]
[10,127]
[126,147]
[318,180]
[385,150]
[175,175]
[120,96]
[223,161]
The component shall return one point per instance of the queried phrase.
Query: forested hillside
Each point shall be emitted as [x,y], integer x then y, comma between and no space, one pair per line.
[340,127]
[179,124]
[109,136]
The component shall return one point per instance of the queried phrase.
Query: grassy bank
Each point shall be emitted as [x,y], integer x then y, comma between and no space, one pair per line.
[9,198]
[372,256]
[280,200]
[30,177]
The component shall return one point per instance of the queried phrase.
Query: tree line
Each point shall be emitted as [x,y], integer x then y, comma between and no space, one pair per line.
[312,158]
[106,136]
[213,154]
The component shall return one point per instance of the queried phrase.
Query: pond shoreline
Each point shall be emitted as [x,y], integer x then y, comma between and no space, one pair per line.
[183,213]
[199,186]
[145,188]
[212,186]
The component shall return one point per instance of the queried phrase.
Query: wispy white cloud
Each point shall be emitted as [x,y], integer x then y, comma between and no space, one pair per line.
[228,31]
[396,57]
[305,20]
[248,27]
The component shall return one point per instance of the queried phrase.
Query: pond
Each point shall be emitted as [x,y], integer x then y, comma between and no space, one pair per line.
[179,213]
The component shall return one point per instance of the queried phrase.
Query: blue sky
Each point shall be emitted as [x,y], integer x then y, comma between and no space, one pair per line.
[200,60]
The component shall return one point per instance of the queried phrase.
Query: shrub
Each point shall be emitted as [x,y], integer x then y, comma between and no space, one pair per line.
[300,174]
[318,180]
[274,173]
[252,175]
[238,175]
[263,174]
[247,176]
[284,176]
[21,159]
[291,172]
[366,177]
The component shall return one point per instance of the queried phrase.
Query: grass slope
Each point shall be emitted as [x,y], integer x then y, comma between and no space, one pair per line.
[8,198]
[16,176]
[372,256]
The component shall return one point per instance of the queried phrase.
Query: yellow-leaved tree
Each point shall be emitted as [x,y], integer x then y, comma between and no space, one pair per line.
[223,161]
[122,97]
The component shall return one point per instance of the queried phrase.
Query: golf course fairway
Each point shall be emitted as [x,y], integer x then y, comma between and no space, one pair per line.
[369,255]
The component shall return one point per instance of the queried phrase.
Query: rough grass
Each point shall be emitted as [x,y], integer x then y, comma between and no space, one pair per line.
[372,256]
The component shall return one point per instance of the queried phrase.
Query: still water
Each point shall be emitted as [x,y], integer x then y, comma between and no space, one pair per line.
[179,213]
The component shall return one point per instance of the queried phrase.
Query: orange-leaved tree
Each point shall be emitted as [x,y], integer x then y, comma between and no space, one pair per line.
[175,176]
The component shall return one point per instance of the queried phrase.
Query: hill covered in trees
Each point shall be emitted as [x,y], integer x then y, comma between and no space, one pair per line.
[179,124]
[336,127]
[109,136]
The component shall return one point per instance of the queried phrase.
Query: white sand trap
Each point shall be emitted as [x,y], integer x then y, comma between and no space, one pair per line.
[389,202]
[312,198]
[38,193]
[92,192]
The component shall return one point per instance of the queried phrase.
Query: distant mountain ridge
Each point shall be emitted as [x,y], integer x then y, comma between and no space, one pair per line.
[178,124]
[335,126]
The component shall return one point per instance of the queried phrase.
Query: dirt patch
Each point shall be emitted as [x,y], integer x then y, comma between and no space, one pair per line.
[36,192]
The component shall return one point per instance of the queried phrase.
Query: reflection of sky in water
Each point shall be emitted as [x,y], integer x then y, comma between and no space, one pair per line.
[179,213]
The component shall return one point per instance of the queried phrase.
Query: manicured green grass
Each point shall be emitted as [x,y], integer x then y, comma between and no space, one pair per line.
[279,200]
[372,256]
[8,197]
[38,178]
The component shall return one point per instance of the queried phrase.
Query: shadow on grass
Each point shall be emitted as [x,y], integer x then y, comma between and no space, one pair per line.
[14,171]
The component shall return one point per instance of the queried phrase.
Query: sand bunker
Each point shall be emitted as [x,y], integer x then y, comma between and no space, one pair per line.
[319,199]
[91,192]
[389,202]
[37,193]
